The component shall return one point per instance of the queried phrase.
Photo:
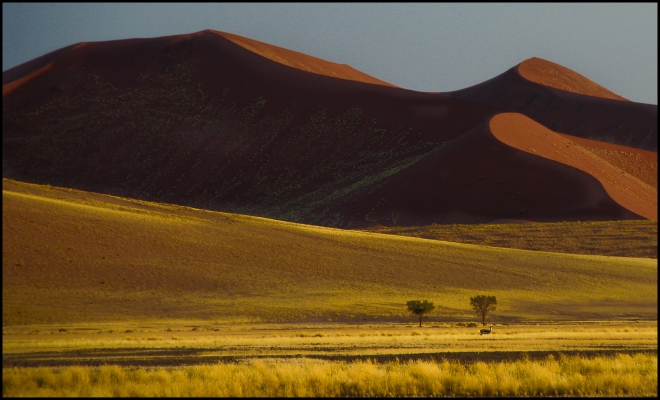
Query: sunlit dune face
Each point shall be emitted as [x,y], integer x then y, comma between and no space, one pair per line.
[554,75]
[302,61]
[641,164]
[525,134]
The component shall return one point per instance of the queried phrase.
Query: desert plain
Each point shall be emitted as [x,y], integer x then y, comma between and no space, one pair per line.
[209,288]
[259,233]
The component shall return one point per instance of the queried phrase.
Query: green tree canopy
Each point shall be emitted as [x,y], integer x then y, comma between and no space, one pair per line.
[482,305]
[420,308]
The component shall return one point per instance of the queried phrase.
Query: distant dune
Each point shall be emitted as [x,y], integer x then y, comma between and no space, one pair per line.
[521,132]
[22,73]
[510,168]
[221,122]
[641,164]
[553,75]
[302,61]
[567,102]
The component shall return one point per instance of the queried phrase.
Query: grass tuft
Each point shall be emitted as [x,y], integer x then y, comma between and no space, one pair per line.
[621,375]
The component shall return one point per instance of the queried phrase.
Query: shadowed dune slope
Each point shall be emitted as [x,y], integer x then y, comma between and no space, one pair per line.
[71,256]
[201,121]
[566,102]
[216,121]
[511,168]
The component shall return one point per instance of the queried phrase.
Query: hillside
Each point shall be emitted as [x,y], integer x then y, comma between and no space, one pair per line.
[71,256]
[220,122]
[569,103]
[510,168]
[607,238]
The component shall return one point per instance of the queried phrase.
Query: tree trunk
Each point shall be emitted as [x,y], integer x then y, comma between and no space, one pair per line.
[483,319]
[420,322]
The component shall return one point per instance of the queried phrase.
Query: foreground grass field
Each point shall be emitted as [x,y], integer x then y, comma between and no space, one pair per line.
[621,375]
[104,296]
[73,257]
[331,359]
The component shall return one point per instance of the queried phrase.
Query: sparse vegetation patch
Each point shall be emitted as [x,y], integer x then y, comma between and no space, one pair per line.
[637,238]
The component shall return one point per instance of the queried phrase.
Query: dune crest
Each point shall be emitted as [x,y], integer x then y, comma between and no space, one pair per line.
[525,134]
[302,61]
[547,73]
[567,102]
[9,87]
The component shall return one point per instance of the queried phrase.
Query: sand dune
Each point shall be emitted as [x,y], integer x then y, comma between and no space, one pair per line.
[547,73]
[217,121]
[521,132]
[302,61]
[641,164]
[212,124]
[510,168]
[29,67]
[566,102]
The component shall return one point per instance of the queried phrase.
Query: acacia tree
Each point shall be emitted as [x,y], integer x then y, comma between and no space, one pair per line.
[420,308]
[482,305]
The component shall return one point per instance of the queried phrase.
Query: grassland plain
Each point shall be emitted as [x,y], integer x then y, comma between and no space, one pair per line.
[635,238]
[110,296]
[331,359]
[71,256]
[197,342]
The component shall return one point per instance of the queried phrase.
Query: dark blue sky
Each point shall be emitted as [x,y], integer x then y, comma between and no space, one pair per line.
[425,47]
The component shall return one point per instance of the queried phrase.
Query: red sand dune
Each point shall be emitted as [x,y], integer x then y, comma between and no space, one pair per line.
[216,121]
[201,121]
[32,66]
[507,168]
[547,73]
[302,61]
[641,164]
[566,102]
[521,132]
[9,87]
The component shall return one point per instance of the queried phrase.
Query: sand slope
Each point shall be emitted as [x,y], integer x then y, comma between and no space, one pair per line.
[568,103]
[553,75]
[521,132]
[217,121]
[511,168]
[641,164]
[302,61]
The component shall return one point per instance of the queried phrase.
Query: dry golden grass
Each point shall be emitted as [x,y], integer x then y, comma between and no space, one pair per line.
[71,256]
[622,375]
[217,340]
[331,359]
[606,238]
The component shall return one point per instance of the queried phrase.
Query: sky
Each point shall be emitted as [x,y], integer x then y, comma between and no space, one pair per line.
[424,47]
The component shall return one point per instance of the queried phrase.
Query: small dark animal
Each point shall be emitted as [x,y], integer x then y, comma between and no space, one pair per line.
[486,331]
